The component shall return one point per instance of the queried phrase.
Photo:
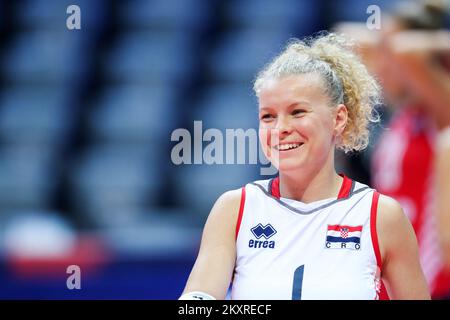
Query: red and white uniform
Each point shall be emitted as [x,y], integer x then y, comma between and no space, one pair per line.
[287,249]
[402,168]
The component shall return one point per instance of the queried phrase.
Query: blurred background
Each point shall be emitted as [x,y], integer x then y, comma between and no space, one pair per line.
[86,118]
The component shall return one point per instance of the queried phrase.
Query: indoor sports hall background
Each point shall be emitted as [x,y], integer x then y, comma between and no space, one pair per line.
[86,117]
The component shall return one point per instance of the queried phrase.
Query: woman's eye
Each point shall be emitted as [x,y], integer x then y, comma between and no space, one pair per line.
[298,112]
[266,117]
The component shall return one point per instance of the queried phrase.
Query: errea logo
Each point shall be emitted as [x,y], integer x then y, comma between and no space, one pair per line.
[260,231]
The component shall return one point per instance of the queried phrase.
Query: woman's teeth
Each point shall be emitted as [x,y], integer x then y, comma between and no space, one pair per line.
[288,146]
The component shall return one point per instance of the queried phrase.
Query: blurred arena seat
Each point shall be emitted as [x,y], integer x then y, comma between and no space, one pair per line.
[134,113]
[190,15]
[294,16]
[224,106]
[27,178]
[34,127]
[43,56]
[240,54]
[112,185]
[150,57]
[33,115]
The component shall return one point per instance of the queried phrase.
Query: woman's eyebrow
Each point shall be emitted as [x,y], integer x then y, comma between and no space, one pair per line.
[299,103]
[292,105]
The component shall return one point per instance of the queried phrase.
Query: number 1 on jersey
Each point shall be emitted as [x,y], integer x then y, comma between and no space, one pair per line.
[298,282]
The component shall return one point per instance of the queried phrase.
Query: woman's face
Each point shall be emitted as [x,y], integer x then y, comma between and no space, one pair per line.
[297,126]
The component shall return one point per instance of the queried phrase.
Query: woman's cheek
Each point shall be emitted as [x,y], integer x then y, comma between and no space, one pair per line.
[269,137]
[266,139]
[263,140]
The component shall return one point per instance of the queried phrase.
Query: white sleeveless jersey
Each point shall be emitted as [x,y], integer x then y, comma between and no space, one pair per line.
[287,249]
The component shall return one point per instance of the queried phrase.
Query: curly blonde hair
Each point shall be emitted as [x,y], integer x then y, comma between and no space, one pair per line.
[346,81]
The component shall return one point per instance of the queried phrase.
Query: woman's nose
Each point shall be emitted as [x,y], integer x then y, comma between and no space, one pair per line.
[283,126]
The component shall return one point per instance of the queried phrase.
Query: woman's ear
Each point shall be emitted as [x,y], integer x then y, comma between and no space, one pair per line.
[340,119]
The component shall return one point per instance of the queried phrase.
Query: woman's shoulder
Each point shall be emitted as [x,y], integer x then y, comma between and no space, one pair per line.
[394,229]
[390,212]
[222,219]
[230,197]
[227,205]
[389,207]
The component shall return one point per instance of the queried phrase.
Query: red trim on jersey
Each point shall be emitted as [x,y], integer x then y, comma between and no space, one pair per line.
[346,187]
[241,212]
[373,228]
[376,248]
[276,187]
[338,227]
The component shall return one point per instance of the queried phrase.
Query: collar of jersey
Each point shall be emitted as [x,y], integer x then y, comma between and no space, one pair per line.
[345,192]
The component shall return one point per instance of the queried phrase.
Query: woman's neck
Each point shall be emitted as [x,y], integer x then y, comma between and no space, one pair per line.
[310,186]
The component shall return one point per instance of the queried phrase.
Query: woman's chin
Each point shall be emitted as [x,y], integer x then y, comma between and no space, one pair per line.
[289,165]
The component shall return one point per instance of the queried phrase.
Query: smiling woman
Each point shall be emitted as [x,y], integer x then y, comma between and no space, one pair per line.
[310,233]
